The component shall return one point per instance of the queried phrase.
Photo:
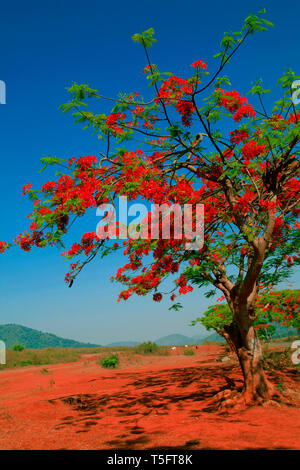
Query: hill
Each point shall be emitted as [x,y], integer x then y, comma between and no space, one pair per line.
[13,334]
[177,339]
[122,343]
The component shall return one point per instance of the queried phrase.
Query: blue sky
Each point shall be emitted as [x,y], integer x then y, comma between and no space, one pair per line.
[44,47]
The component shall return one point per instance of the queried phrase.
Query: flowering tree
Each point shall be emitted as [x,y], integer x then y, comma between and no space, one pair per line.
[281,307]
[170,150]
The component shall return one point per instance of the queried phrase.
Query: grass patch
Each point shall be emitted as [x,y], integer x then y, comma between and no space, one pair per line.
[188,352]
[29,357]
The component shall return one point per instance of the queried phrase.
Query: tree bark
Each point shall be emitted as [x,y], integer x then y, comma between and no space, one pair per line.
[248,350]
[228,340]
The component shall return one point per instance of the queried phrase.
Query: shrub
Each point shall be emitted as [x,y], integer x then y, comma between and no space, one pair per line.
[188,352]
[18,347]
[278,360]
[110,361]
[146,348]
[26,363]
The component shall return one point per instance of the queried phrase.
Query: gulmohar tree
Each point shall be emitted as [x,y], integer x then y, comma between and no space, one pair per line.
[171,150]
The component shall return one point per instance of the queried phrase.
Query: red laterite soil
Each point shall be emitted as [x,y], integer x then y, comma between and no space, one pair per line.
[158,402]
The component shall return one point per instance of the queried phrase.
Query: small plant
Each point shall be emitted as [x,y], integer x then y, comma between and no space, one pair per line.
[280,386]
[146,348]
[18,347]
[110,361]
[188,352]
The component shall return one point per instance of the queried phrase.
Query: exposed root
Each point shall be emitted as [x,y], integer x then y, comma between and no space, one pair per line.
[233,400]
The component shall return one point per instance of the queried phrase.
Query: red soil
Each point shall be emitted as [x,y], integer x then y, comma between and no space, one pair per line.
[162,402]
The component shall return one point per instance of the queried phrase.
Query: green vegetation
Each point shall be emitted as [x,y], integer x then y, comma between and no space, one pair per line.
[149,348]
[18,347]
[188,352]
[110,361]
[146,348]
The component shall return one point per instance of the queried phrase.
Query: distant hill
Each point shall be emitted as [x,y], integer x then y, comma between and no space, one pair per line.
[13,334]
[213,337]
[177,339]
[281,332]
[122,343]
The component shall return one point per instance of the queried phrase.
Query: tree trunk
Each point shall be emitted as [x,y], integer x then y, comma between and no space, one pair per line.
[228,340]
[248,349]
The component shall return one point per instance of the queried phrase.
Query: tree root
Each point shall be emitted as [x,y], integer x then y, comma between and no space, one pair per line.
[230,400]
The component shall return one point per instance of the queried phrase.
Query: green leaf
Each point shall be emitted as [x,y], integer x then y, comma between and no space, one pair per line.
[176,307]
[146,38]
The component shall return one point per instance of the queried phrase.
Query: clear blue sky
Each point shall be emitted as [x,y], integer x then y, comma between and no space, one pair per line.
[44,47]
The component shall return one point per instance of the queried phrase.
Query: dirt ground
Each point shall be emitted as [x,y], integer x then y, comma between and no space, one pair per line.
[149,402]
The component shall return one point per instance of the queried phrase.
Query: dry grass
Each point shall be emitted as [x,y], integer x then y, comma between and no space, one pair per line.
[29,357]
[131,355]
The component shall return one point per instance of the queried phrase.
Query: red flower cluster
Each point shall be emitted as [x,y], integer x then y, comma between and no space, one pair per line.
[199,64]
[112,120]
[3,246]
[26,241]
[49,186]
[26,188]
[235,103]
[185,109]
[294,118]
[87,243]
[86,163]
[45,211]
[244,111]
[148,68]
[174,89]
[184,288]
[231,100]
[238,136]
[251,150]
[278,122]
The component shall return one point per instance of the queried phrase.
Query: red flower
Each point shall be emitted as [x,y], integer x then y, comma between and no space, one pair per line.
[26,188]
[3,246]
[49,186]
[238,136]
[157,297]
[199,64]
[45,211]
